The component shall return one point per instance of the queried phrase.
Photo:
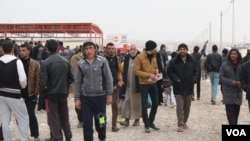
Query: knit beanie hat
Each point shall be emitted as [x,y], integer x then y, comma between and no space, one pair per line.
[150,45]
[87,43]
[182,45]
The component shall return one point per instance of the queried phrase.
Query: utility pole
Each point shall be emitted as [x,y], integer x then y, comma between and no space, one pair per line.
[210,35]
[221,30]
[233,44]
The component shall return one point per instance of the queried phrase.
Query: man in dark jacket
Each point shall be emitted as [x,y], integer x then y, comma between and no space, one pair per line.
[245,80]
[183,72]
[163,52]
[212,65]
[115,67]
[197,57]
[161,58]
[55,79]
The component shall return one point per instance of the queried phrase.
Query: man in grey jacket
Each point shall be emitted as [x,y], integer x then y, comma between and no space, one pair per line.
[55,79]
[93,90]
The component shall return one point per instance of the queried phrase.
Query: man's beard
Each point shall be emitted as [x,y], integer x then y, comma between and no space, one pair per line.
[183,55]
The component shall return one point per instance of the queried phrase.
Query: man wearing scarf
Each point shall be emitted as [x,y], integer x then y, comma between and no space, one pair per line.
[146,69]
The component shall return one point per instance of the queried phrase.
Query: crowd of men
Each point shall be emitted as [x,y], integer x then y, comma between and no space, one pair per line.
[47,74]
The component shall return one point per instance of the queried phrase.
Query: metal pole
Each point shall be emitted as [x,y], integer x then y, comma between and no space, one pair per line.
[210,40]
[233,23]
[221,30]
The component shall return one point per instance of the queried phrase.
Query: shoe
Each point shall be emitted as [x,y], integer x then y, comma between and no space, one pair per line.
[193,98]
[36,139]
[136,123]
[213,103]
[154,127]
[212,99]
[79,125]
[198,98]
[125,123]
[180,129]
[115,129]
[185,126]
[50,139]
[147,130]
[120,119]
[102,140]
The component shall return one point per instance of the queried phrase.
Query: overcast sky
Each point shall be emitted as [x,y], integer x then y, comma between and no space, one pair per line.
[167,20]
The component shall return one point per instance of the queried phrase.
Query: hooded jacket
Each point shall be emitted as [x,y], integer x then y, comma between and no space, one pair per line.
[231,94]
[93,79]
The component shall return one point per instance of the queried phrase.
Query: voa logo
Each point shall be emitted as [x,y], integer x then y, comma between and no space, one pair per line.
[236,132]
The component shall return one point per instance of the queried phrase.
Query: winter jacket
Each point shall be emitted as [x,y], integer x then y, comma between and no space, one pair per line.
[55,77]
[33,77]
[245,78]
[197,55]
[143,67]
[74,60]
[231,94]
[183,74]
[93,79]
[213,62]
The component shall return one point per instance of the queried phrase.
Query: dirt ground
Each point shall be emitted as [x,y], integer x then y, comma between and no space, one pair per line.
[205,122]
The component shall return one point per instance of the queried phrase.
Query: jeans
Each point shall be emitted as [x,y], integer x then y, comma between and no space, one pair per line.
[214,79]
[152,91]
[33,124]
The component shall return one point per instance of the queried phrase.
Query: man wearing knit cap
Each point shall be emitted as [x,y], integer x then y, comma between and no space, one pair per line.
[147,71]
[183,72]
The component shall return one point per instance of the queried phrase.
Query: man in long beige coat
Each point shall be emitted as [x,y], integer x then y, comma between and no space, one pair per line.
[131,108]
[73,61]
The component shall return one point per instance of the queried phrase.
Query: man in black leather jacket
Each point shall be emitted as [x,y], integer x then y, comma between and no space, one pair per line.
[55,79]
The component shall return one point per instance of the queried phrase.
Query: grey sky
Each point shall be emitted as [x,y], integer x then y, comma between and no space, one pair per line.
[168,20]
